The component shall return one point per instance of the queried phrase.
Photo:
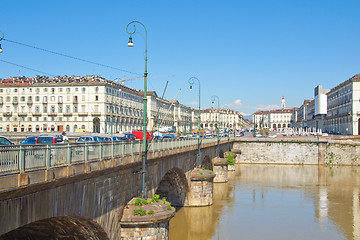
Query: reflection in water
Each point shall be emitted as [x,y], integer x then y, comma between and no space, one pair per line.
[277,202]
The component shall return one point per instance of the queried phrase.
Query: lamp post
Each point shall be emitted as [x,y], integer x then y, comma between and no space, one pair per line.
[131,44]
[213,98]
[191,82]
[1,38]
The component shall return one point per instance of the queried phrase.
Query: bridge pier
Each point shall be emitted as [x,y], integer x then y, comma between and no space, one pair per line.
[220,169]
[146,221]
[201,188]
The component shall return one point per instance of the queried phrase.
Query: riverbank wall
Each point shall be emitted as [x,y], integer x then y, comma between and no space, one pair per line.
[293,151]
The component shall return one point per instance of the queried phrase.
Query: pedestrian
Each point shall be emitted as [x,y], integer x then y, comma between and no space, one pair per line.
[65,138]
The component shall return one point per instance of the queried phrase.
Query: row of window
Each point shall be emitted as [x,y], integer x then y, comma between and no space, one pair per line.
[45,89]
[15,99]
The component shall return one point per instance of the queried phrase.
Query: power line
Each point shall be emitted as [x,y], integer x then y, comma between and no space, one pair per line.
[32,69]
[72,57]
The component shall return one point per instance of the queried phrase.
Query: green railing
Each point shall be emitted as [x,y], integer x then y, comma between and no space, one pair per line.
[22,158]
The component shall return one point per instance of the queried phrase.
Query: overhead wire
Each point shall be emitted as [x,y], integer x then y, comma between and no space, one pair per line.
[32,69]
[72,57]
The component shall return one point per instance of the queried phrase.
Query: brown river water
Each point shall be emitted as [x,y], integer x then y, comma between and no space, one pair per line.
[277,202]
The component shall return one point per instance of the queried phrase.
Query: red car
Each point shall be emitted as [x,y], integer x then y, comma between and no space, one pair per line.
[139,135]
[47,140]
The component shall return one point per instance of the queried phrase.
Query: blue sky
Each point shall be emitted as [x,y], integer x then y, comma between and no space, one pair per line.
[249,53]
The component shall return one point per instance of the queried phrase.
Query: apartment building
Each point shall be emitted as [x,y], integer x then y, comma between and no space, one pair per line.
[343,108]
[167,115]
[91,103]
[274,120]
[226,118]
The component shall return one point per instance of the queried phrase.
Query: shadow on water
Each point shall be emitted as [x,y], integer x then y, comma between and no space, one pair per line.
[277,202]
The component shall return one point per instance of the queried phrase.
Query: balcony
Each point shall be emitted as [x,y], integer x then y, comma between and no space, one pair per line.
[15,102]
[36,113]
[52,114]
[68,113]
[83,114]
[29,101]
[60,101]
[7,113]
[22,114]
[96,113]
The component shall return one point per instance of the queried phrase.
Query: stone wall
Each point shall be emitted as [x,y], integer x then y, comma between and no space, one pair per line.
[152,232]
[297,152]
[201,193]
[343,153]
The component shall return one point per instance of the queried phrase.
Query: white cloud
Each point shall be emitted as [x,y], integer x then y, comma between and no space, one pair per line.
[268,107]
[235,105]
[193,103]
[246,114]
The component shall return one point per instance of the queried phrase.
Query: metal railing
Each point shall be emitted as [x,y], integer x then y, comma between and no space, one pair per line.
[22,158]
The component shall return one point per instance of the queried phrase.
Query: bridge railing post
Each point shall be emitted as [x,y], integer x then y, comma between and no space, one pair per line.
[100,150]
[122,149]
[112,149]
[48,157]
[21,159]
[132,147]
[68,154]
[86,153]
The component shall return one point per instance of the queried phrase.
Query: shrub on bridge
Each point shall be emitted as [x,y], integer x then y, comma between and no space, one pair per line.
[230,159]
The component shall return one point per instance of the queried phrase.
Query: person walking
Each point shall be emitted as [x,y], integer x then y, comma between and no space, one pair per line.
[65,138]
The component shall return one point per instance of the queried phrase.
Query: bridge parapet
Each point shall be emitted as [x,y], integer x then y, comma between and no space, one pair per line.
[32,164]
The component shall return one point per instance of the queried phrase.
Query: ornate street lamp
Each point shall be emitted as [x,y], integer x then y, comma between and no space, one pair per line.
[131,44]
[213,98]
[1,38]
[191,82]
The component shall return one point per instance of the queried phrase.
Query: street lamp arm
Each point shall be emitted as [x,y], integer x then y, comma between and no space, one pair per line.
[133,32]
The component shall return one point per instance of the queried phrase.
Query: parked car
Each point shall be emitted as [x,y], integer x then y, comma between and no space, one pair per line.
[87,139]
[129,136]
[47,140]
[117,139]
[5,141]
[105,139]
[168,136]
[29,140]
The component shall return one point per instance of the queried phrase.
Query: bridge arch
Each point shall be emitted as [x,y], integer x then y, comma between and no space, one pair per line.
[174,187]
[62,227]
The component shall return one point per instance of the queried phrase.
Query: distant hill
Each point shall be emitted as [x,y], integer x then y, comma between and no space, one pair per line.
[250,117]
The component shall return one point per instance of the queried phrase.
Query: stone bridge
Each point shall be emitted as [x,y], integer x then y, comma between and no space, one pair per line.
[88,198]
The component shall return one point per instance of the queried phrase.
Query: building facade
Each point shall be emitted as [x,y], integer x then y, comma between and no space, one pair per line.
[274,120]
[225,118]
[343,108]
[89,104]
[169,115]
